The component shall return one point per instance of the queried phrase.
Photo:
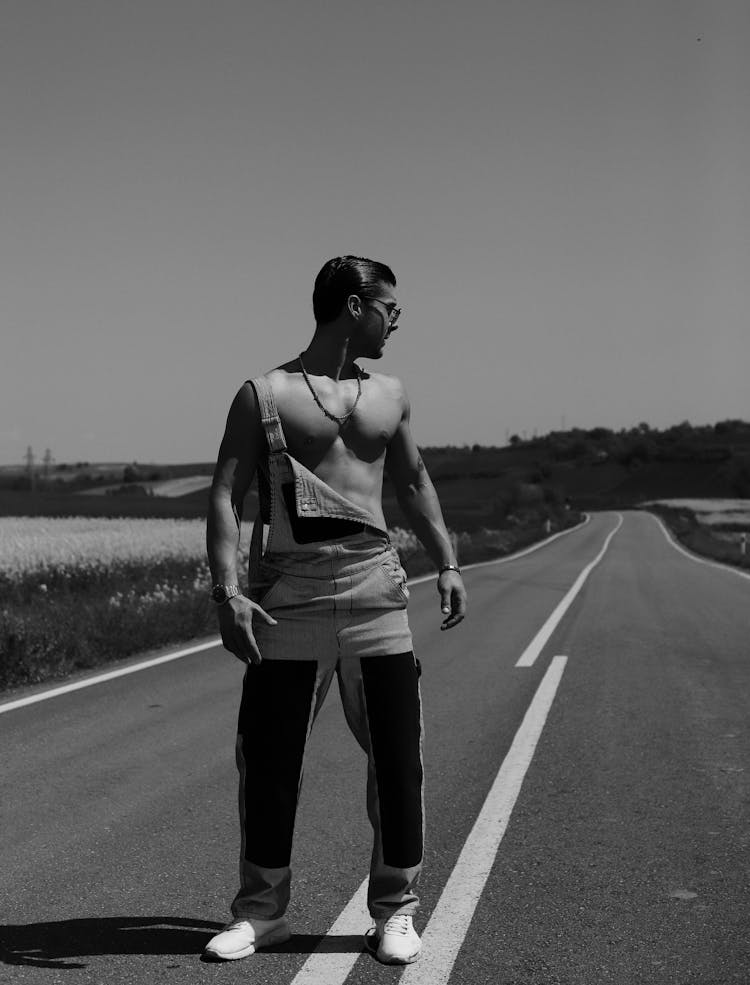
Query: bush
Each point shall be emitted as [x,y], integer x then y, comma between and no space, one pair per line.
[53,627]
[740,478]
[488,544]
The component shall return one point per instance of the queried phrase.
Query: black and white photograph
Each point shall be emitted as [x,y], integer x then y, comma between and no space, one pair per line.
[375,492]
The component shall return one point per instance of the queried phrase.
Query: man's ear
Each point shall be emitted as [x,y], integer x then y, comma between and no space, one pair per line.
[354,305]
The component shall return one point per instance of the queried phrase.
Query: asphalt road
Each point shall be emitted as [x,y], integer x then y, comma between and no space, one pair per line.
[624,859]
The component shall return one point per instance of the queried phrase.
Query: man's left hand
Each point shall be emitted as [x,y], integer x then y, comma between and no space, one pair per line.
[452,598]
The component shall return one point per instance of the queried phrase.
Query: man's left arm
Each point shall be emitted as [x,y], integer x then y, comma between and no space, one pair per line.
[419,502]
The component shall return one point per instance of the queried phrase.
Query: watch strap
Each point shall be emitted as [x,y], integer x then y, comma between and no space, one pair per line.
[221,594]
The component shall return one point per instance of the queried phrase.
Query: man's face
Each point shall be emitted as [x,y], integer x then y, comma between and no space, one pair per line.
[380,317]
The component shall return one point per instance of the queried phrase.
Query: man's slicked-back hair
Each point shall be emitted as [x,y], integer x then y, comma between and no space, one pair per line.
[341,277]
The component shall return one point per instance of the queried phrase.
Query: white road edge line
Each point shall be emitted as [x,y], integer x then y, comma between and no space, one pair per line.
[694,557]
[110,675]
[144,665]
[508,557]
[450,920]
[536,646]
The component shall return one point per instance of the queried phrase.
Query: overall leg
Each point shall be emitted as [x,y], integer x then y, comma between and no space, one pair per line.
[382,705]
[280,700]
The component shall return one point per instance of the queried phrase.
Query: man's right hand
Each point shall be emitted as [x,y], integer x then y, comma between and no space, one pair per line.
[236,626]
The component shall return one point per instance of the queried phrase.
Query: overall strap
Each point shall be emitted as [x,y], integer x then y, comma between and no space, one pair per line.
[256,547]
[269,415]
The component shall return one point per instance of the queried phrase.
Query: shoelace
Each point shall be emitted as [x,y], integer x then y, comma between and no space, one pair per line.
[397,924]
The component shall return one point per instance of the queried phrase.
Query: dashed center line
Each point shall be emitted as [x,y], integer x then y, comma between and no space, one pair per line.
[536,646]
[330,964]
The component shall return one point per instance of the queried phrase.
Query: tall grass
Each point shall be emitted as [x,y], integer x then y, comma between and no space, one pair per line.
[78,592]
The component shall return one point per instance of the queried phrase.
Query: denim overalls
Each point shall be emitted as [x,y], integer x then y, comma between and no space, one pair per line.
[328,574]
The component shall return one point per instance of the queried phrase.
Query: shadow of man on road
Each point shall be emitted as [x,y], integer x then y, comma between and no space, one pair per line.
[57,944]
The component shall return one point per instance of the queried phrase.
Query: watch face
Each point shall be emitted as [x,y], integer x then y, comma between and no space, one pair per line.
[219,594]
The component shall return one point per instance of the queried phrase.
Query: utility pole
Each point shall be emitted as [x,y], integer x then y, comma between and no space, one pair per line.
[30,468]
[47,461]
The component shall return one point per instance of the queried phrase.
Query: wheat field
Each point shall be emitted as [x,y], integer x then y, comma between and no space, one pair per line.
[36,544]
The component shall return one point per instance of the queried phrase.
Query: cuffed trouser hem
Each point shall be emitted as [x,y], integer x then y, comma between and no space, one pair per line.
[264,894]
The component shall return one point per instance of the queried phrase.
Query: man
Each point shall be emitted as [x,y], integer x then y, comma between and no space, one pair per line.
[327,596]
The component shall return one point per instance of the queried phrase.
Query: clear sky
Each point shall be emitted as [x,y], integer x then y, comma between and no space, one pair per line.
[561,187]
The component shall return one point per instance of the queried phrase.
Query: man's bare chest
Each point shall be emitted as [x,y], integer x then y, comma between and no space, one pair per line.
[312,437]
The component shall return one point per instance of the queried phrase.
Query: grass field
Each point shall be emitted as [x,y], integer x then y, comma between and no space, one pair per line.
[80,592]
[33,545]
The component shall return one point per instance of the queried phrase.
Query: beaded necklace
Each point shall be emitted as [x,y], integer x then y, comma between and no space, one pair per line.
[341,421]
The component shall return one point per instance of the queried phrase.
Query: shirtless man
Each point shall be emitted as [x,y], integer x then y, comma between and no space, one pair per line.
[327,597]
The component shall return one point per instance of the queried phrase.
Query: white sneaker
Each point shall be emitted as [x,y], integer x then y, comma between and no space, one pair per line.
[241,938]
[394,941]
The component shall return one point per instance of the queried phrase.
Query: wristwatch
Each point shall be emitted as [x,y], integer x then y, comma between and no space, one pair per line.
[223,593]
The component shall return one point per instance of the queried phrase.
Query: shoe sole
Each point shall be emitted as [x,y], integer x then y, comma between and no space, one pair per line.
[372,943]
[279,935]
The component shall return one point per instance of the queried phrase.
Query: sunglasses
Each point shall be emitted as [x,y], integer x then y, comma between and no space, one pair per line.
[393,312]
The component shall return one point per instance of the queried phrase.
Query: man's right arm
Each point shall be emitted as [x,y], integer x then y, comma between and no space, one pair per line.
[239,454]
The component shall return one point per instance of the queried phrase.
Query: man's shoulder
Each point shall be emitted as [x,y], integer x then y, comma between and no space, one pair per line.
[282,376]
[277,374]
[391,385]
[277,378]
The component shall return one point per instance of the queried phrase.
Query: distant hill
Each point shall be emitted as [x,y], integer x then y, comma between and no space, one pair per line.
[479,486]
[594,469]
